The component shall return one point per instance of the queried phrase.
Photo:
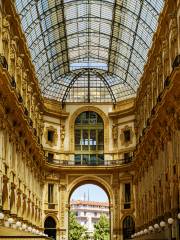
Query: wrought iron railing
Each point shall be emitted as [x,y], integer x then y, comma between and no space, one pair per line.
[90,163]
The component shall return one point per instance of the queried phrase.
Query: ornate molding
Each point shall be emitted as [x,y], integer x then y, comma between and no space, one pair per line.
[122,138]
[55,136]
[101,114]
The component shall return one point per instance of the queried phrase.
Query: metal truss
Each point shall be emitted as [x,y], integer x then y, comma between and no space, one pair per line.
[81,73]
[107,38]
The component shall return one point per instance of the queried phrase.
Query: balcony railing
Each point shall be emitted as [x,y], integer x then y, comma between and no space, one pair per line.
[127,205]
[51,205]
[91,163]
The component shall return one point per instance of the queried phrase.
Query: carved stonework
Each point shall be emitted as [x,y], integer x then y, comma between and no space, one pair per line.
[62,135]
[115,133]
[55,137]
[122,138]
[5,31]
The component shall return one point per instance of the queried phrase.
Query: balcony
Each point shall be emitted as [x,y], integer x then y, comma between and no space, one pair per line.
[51,205]
[127,205]
[96,162]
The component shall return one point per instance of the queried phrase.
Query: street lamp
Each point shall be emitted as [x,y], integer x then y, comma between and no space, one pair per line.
[1,218]
[18,224]
[29,229]
[10,221]
[170,222]
[145,231]
[151,228]
[162,224]
[24,226]
[156,226]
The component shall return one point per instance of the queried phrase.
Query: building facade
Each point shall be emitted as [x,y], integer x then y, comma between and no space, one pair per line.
[88,213]
[129,147]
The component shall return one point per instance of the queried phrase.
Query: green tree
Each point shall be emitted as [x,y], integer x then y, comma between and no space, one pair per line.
[101,229]
[76,230]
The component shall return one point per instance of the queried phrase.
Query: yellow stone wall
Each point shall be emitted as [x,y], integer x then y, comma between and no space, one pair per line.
[157,126]
[67,179]
[154,121]
[114,120]
[21,126]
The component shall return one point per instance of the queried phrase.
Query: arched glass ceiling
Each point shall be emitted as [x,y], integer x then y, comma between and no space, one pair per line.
[106,38]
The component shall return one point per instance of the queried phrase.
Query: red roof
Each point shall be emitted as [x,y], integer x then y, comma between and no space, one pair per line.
[89,203]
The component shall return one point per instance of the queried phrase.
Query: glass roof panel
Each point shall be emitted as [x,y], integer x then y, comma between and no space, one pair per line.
[107,41]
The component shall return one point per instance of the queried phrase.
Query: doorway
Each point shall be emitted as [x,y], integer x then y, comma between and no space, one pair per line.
[50,227]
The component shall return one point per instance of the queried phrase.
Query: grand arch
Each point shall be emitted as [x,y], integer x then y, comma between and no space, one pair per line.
[93,109]
[99,181]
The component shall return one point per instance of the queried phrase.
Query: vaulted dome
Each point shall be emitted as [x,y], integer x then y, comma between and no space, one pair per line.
[99,45]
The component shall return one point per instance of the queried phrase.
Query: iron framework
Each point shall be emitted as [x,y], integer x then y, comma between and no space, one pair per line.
[107,40]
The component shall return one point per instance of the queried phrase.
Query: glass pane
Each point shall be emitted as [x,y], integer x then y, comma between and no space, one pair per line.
[85,139]
[84,117]
[100,139]
[93,160]
[77,136]
[99,119]
[77,159]
[93,118]
[77,147]
[77,139]
[86,30]
[89,135]
[85,158]
[100,158]
[92,140]
[78,120]
[127,192]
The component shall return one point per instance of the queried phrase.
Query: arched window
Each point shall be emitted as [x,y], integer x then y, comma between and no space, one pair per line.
[128,227]
[50,227]
[89,139]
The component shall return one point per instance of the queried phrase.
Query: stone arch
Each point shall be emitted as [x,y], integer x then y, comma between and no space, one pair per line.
[53,216]
[93,109]
[93,180]
[126,215]
[107,187]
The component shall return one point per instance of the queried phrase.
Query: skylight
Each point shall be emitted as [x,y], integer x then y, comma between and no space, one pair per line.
[111,38]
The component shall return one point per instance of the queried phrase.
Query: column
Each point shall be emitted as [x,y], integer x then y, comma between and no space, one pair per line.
[64,213]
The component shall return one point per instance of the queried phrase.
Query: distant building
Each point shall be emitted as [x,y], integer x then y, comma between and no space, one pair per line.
[89,212]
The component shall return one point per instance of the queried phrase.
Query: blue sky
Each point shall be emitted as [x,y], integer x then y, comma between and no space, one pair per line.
[94,192]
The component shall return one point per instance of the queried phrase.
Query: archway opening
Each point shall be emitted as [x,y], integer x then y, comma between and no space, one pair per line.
[128,227]
[50,227]
[89,215]
[89,139]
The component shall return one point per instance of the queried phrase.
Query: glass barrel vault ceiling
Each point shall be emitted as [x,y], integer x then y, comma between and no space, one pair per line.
[89,50]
